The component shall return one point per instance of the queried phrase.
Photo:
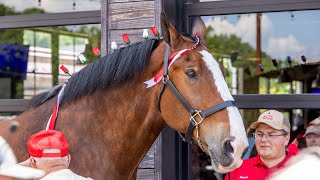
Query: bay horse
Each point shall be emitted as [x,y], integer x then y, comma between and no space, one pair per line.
[111,119]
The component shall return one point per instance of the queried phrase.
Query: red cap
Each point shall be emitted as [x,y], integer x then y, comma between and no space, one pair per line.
[48,143]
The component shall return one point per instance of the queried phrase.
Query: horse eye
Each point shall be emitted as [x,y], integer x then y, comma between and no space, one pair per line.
[191,73]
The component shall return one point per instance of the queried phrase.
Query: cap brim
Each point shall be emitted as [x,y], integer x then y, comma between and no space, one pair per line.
[22,172]
[256,124]
[311,132]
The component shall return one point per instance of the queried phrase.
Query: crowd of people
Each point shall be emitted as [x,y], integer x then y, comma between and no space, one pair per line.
[275,157]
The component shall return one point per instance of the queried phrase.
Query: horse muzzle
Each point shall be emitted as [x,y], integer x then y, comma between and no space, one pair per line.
[229,157]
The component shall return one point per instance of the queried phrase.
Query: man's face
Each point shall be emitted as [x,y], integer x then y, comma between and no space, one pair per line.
[273,146]
[313,139]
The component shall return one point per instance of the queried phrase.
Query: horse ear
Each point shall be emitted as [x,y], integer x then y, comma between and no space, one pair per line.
[199,28]
[169,33]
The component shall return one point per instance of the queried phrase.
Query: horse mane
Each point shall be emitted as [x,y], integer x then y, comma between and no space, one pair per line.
[111,70]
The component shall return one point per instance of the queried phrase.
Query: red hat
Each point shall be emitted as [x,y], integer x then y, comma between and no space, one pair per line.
[48,143]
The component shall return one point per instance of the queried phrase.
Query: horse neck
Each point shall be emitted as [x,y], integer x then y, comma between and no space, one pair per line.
[121,119]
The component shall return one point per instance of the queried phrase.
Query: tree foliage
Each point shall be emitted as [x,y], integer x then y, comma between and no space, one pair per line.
[231,46]
[241,53]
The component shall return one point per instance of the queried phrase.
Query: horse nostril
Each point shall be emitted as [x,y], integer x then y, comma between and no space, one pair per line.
[226,158]
[244,152]
[228,149]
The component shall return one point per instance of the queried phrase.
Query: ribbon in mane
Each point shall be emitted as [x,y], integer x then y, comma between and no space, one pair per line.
[157,78]
[53,118]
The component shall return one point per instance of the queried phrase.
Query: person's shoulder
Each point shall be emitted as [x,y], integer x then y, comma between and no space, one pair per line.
[245,164]
[249,161]
[293,149]
[248,170]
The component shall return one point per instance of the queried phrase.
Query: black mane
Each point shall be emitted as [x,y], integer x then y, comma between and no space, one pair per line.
[111,70]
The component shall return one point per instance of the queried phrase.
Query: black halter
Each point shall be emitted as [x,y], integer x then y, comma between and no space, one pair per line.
[193,112]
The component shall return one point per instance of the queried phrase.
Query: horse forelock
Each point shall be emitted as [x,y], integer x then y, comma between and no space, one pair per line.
[112,70]
[187,35]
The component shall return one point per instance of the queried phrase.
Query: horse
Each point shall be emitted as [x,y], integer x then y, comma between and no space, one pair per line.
[111,119]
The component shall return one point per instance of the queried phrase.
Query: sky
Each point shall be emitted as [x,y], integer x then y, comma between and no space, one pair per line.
[283,33]
[54,5]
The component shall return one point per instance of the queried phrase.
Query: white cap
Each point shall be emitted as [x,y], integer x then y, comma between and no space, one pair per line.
[9,166]
[314,129]
[274,119]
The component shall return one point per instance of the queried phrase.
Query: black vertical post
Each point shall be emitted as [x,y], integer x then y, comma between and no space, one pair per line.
[74,54]
[169,160]
[34,63]
[176,157]
[268,85]
[258,42]
[174,10]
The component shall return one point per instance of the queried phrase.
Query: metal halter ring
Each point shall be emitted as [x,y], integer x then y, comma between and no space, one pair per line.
[165,79]
[193,120]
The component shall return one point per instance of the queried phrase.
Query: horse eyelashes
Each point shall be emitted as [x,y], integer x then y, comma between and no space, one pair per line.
[191,73]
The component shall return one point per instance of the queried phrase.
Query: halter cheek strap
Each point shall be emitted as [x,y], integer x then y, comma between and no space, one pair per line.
[193,112]
[166,55]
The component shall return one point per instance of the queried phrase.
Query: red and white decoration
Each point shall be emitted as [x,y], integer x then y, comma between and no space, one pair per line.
[53,117]
[158,76]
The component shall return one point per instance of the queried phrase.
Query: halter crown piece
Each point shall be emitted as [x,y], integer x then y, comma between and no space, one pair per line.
[166,81]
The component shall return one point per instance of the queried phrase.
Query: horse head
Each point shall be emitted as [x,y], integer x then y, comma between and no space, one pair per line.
[195,99]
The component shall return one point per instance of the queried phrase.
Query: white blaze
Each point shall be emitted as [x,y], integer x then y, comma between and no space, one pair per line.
[236,123]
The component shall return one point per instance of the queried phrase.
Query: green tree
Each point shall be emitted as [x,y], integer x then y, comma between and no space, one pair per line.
[33,11]
[239,52]
[6,11]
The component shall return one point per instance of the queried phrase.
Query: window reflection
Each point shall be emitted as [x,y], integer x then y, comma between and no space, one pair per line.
[30,58]
[284,35]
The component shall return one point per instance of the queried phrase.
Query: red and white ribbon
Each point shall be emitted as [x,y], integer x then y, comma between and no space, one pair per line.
[157,78]
[52,120]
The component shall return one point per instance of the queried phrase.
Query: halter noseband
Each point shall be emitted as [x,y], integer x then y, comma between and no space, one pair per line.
[193,112]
